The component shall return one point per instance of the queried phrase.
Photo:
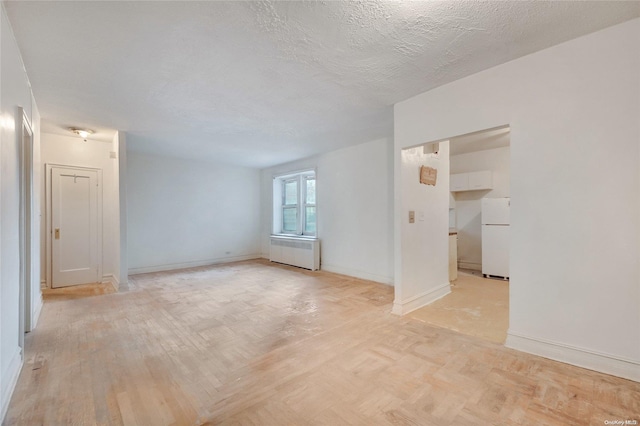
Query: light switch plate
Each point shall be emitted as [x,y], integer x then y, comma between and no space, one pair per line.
[412,216]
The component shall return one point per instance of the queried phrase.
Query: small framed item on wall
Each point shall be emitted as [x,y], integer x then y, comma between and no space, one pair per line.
[428,175]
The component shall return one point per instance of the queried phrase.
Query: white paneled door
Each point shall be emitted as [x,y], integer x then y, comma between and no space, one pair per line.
[75,221]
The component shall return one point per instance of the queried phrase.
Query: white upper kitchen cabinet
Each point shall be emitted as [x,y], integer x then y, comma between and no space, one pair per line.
[472,181]
[480,180]
[459,182]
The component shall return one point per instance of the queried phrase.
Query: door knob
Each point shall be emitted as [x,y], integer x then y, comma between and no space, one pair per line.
[57,233]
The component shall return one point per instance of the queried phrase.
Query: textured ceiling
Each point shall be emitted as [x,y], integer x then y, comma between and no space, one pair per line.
[261,83]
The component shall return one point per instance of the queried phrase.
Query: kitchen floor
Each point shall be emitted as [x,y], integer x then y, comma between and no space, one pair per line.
[476,306]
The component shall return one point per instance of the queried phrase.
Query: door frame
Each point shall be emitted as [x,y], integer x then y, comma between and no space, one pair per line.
[25,178]
[49,225]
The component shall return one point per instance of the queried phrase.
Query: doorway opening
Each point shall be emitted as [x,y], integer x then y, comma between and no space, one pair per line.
[479,227]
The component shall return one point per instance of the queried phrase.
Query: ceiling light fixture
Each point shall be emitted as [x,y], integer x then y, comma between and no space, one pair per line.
[83,133]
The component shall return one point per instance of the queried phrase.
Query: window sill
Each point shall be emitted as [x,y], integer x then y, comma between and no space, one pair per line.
[294,237]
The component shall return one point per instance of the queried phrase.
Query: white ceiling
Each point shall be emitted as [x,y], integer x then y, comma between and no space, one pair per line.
[261,83]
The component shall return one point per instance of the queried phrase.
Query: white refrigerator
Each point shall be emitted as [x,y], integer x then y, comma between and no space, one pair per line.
[495,236]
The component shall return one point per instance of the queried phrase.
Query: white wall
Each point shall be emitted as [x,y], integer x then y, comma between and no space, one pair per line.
[354,209]
[183,213]
[423,267]
[467,203]
[74,151]
[575,190]
[15,91]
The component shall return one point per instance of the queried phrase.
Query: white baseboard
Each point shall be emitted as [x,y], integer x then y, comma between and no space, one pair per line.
[356,273]
[115,282]
[185,265]
[349,272]
[470,265]
[423,299]
[37,309]
[585,358]
[111,279]
[9,380]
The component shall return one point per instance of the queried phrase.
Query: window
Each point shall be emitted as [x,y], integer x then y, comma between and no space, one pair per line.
[294,204]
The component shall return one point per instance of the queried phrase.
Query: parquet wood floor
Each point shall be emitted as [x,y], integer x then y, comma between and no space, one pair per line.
[254,343]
